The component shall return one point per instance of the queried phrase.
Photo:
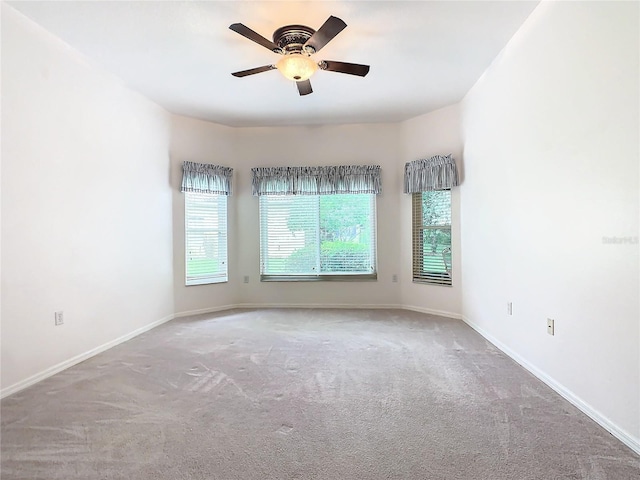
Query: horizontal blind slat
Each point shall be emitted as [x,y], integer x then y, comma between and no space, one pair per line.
[205,238]
[431,218]
[317,235]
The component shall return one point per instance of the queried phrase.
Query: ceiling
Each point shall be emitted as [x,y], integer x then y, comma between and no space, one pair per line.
[423,54]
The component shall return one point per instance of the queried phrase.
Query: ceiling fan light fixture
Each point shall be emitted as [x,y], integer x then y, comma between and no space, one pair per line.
[296,44]
[296,67]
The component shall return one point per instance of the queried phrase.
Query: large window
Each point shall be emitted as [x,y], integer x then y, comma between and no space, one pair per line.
[432,237]
[205,238]
[317,237]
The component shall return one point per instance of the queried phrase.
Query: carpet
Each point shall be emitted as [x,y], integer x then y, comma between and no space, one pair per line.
[303,394]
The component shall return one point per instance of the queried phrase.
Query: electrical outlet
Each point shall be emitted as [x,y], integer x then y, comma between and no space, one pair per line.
[394,278]
[59,318]
[246,279]
[509,308]
[551,325]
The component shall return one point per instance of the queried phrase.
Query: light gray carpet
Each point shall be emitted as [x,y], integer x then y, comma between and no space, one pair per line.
[304,394]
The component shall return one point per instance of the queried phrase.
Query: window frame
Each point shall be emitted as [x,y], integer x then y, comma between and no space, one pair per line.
[327,276]
[419,274]
[212,277]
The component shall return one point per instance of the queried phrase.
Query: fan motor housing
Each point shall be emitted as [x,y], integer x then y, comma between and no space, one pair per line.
[291,38]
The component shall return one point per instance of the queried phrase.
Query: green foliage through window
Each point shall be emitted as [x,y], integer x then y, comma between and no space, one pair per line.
[205,238]
[317,235]
[432,237]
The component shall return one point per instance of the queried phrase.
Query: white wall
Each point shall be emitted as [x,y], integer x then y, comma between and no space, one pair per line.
[204,142]
[436,133]
[551,167]
[375,144]
[86,205]
[244,148]
[95,224]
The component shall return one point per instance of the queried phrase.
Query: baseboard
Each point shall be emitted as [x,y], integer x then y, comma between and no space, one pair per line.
[431,311]
[27,382]
[390,306]
[625,437]
[201,311]
[288,305]
[629,440]
[323,305]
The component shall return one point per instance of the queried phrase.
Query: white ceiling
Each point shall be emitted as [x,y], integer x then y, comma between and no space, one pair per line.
[423,54]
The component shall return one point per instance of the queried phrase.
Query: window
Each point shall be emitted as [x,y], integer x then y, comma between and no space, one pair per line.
[317,237]
[205,238]
[432,237]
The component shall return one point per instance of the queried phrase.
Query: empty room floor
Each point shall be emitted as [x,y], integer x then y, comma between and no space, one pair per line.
[304,394]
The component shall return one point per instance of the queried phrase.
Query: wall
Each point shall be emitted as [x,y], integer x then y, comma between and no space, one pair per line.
[86,222]
[436,133]
[550,134]
[204,142]
[551,171]
[375,144]
[244,148]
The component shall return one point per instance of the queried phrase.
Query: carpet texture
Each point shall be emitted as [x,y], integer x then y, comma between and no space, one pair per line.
[304,394]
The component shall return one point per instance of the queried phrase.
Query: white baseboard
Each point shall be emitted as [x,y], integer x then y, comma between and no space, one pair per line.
[288,305]
[625,437]
[323,305]
[431,311]
[27,382]
[32,380]
[201,311]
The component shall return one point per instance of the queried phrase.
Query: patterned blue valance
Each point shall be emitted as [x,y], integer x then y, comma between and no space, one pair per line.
[435,173]
[316,180]
[206,178]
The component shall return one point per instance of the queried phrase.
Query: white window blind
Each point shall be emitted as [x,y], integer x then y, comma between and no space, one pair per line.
[205,238]
[432,237]
[317,237]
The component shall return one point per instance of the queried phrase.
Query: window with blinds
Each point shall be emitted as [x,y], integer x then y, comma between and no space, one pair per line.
[205,238]
[317,237]
[432,237]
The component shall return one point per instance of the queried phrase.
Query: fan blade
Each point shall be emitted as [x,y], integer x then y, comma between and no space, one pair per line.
[254,36]
[343,67]
[332,27]
[304,87]
[253,71]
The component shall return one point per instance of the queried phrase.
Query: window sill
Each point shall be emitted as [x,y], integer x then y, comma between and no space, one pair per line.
[436,283]
[195,283]
[367,277]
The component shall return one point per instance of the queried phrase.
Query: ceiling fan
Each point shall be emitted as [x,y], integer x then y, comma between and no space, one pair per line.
[296,43]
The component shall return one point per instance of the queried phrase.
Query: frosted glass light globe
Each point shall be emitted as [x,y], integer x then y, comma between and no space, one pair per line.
[296,67]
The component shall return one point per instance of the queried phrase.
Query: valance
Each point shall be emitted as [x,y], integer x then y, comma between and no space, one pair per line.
[206,178]
[435,173]
[316,180]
